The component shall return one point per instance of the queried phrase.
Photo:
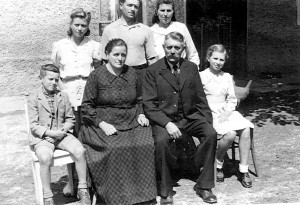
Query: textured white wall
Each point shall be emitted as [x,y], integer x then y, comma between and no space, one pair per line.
[29,28]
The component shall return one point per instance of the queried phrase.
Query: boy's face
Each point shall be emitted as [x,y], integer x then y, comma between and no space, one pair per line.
[50,81]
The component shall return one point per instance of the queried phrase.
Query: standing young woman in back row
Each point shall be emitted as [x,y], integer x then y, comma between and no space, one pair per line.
[76,56]
[164,23]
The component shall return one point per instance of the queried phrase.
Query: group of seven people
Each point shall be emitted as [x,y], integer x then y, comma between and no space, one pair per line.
[126,112]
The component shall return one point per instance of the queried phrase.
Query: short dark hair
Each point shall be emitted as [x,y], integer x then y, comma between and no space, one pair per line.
[155,18]
[48,67]
[113,43]
[80,13]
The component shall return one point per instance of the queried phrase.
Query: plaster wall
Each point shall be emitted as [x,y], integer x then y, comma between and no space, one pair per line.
[273,36]
[30,28]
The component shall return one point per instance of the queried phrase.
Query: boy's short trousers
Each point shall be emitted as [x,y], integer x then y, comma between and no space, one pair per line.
[60,144]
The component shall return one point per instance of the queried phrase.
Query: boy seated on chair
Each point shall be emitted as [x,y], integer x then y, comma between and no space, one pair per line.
[51,122]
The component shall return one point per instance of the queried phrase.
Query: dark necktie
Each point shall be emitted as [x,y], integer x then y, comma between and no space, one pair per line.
[176,74]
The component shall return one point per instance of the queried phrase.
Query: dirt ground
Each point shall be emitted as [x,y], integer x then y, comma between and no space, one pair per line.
[275,114]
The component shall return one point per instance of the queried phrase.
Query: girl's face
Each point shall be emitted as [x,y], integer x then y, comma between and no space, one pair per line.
[79,27]
[165,13]
[116,58]
[216,61]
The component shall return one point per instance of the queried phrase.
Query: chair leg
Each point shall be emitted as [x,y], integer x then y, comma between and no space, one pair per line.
[253,153]
[69,188]
[233,151]
[94,200]
[38,186]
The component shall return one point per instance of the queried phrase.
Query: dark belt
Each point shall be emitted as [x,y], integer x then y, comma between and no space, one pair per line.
[140,66]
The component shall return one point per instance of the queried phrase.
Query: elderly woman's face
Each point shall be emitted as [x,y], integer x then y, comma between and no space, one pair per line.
[165,13]
[79,27]
[117,56]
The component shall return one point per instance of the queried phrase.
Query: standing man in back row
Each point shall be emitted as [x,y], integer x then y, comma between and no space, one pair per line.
[138,37]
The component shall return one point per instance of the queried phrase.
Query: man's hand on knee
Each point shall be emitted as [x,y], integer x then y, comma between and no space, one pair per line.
[173,130]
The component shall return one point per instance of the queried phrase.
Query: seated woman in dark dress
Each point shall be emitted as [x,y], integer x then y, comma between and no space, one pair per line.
[116,134]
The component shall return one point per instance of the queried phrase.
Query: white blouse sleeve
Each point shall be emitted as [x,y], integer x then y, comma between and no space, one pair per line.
[97,51]
[231,100]
[191,51]
[54,55]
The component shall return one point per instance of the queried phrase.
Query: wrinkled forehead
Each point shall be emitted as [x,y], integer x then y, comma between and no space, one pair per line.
[170,42]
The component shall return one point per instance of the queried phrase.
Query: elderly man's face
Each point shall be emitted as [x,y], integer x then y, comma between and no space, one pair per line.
[130,8]
[173,50]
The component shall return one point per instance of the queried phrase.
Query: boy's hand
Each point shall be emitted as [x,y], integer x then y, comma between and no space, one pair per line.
[57,134]
[50,139]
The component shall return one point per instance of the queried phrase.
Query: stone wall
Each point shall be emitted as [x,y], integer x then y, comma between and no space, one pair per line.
[274,37]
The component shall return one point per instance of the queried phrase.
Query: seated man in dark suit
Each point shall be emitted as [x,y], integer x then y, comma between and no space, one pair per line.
[174,101]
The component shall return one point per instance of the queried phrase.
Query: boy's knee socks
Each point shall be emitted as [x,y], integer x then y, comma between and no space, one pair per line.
[82,185]
[219,164]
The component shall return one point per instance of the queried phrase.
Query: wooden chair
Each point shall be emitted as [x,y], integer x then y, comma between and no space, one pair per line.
[241,93]
[60,158]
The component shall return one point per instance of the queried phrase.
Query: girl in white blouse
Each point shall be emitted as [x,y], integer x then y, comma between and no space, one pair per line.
[76,57]
[164,22]
[219,89]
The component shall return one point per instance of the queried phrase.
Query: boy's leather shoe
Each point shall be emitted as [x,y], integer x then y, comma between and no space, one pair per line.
[84,197]
[220,175]
[49,201]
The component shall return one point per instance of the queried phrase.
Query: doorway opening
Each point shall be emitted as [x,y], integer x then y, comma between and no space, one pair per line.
[216,21]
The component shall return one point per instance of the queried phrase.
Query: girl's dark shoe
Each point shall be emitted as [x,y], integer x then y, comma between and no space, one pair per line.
[245,179]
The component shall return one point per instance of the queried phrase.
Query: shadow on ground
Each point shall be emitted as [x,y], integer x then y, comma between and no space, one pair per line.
[281,107]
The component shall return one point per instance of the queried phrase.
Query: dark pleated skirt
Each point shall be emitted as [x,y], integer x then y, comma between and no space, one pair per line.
[121,166]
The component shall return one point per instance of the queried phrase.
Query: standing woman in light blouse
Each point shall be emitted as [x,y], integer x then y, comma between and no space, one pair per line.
[164,23]
[76,56]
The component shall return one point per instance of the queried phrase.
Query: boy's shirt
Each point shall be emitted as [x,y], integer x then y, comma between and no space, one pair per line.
[49,113]
[50,99]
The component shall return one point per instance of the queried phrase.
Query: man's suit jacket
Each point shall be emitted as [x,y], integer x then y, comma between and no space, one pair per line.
[40,117]
[160,93]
